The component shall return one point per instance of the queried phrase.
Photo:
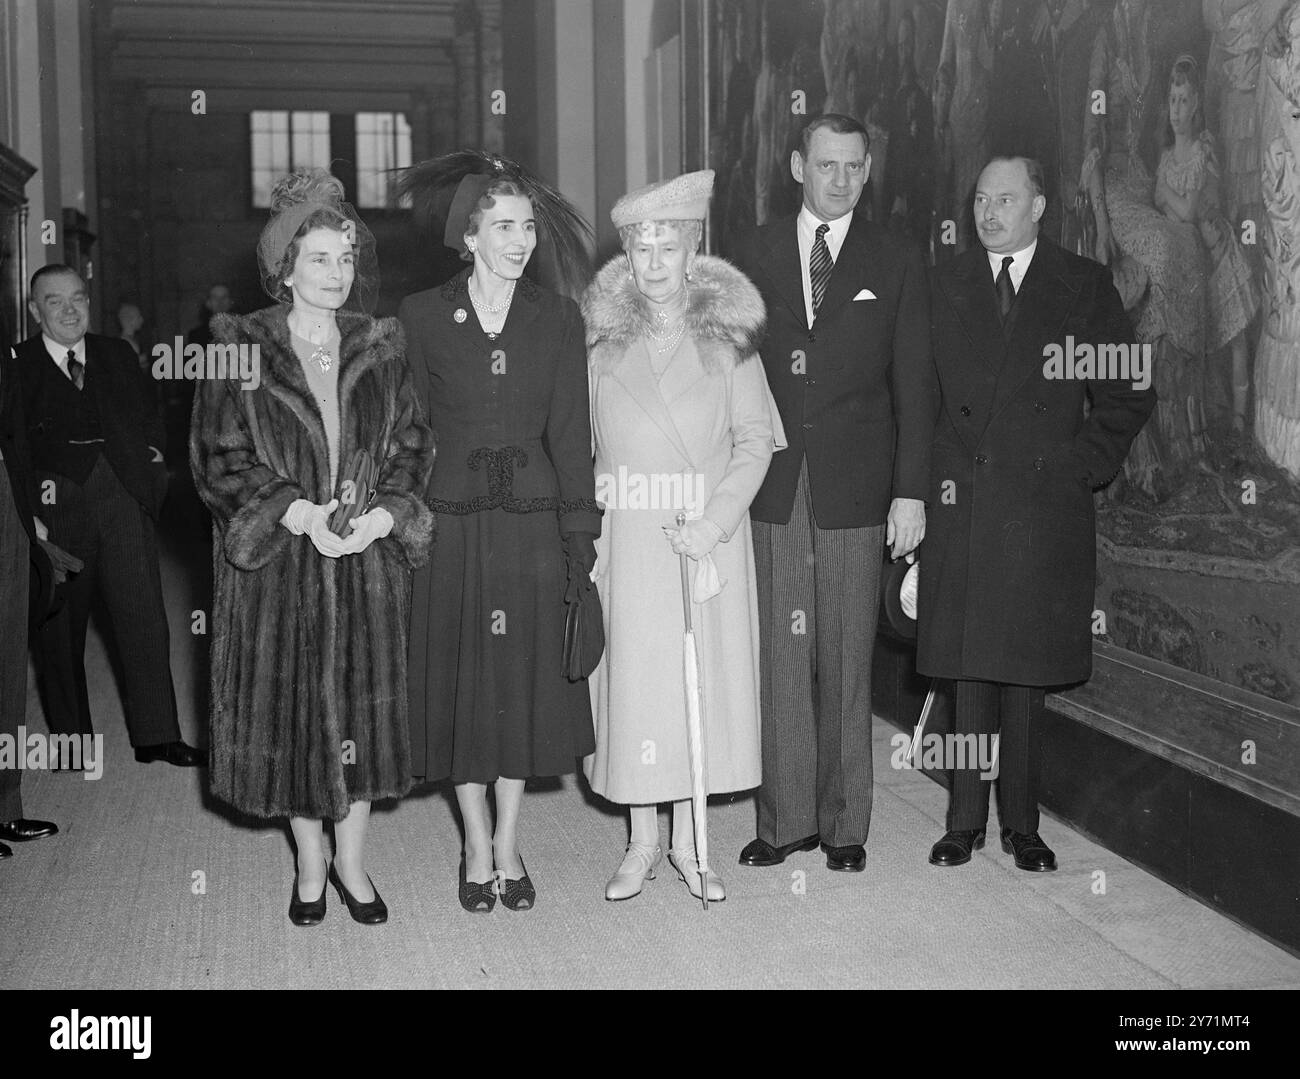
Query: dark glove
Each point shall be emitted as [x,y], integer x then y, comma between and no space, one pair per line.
[580,548]
[580,560]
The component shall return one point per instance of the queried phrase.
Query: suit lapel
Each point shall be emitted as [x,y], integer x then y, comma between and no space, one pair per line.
[633,373]
[784,269]
[1043,302]
[969,289]
[851,269]
[95,379]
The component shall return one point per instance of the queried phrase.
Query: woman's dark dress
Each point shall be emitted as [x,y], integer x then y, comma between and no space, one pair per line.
[513,472]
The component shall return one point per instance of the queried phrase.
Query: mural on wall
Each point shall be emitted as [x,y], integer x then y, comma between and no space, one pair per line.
[1194,207]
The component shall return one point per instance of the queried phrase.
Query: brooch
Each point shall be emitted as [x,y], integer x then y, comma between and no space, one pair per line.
[459,314]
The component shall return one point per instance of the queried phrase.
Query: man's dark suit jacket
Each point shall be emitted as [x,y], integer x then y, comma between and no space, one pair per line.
[128,426]
[857,392]
[18,463]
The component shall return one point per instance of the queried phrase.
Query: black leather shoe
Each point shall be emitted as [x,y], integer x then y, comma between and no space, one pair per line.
[1030,851]
[312,913]
[955,847]
[759,852]
[5,852]
[373,913]
[850,859]
[177,753]
[20,830]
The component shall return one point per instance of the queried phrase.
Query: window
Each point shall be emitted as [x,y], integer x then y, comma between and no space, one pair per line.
[383,144]
[284,141]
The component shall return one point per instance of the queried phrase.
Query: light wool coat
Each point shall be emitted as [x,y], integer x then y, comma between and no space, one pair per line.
[699,438]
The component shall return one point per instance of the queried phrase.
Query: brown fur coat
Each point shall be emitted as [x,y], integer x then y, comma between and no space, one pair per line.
[308,709]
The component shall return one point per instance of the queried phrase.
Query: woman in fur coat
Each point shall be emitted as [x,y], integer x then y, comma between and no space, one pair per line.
[683,422]
[308,703]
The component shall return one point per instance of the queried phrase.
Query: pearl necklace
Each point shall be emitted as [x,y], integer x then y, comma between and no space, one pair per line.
[479,305]
[673,339]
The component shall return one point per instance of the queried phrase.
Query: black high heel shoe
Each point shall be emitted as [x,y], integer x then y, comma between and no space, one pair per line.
[301,913]
[372,913]
[517,894]
[476,898]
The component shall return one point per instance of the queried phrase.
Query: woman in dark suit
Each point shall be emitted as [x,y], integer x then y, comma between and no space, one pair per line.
[501,368]
[309,648]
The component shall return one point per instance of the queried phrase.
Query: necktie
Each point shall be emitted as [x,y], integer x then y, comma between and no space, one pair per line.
[1006,294]
[76,369]
[819,266]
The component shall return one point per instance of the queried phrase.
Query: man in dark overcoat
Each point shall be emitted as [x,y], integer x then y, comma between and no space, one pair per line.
[847,357]
[1023,334]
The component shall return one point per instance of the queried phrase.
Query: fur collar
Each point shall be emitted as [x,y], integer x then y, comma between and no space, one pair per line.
[724,314]
[364,343]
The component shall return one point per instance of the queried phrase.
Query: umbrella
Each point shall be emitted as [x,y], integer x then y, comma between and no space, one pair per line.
[695,732]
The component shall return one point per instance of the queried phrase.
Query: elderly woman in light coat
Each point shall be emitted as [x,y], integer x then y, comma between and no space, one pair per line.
[683,422]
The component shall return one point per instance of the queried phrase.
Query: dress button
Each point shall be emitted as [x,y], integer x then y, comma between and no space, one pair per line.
[980,459]
[965,410]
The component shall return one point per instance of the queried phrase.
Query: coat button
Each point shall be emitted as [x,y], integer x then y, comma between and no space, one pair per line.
[812,382]
[812,336]
[980,459]
[1039,406]
[806,426]
[965,410]
[1038,463]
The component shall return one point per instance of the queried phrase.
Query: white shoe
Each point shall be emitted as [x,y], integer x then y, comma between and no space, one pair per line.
[688,868]
[637,867]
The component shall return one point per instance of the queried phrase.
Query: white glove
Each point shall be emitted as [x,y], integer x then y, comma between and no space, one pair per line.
[304,517]
[695,538]
[366,528]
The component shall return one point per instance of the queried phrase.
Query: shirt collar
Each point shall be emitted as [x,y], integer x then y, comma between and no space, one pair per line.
[59,353]
[835,233]
[1020,260]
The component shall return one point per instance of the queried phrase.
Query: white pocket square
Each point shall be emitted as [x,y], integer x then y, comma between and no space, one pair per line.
[865,294]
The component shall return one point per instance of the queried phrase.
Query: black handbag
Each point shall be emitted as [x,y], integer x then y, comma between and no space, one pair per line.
[584,629]
[356,490]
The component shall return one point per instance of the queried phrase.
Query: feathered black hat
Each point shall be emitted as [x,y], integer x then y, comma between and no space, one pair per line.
[445,190]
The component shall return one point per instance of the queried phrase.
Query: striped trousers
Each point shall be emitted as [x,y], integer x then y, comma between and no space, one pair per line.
[105,527]
[818,602]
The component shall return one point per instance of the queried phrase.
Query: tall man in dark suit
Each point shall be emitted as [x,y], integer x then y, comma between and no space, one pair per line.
[1008,567]
[20,553]
[847,357]
[100,482]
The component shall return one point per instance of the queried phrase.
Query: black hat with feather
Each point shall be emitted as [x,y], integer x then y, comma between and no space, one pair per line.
[445,191]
